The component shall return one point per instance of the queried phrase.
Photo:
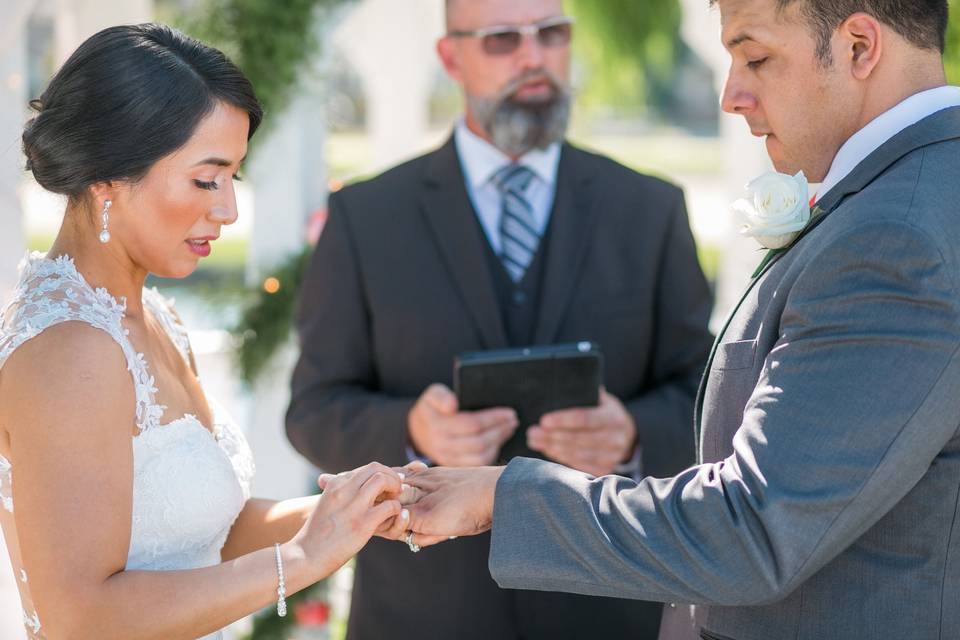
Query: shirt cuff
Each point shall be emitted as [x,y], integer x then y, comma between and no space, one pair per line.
[632,468]
[413,457]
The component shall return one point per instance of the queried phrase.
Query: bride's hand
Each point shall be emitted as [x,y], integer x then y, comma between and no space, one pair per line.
[396,528]
[353,507]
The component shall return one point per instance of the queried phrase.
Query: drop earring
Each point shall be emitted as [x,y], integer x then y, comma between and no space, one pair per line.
[105,234]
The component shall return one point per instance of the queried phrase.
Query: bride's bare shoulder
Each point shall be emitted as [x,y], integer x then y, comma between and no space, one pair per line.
[70,370]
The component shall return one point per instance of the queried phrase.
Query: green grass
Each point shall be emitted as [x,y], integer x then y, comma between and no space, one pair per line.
[661,153]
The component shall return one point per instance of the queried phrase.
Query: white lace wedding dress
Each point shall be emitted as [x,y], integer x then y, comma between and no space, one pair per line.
[189,483]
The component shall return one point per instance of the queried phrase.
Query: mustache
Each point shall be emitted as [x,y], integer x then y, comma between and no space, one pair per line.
[540,74]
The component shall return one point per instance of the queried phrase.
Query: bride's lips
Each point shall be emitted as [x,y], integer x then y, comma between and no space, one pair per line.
[200,246]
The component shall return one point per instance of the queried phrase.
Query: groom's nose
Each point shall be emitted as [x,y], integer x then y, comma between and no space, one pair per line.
[736,99]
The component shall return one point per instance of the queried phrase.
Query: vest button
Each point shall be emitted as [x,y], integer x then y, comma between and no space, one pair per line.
[519,298]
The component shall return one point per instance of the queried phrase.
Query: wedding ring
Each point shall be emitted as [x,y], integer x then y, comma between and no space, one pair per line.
[414,547]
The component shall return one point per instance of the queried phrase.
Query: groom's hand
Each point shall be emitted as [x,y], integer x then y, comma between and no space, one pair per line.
[454,438]
[594,440]
[452,502]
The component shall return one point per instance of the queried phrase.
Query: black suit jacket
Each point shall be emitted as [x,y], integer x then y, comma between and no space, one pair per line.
[399,285]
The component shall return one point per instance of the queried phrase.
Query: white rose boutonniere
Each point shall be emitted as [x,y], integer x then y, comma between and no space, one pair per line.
[776,210]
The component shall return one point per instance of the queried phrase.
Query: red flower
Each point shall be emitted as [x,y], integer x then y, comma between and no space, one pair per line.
[313,613]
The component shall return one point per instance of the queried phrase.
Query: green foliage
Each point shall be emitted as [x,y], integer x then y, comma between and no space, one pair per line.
[952,57]
[625,45]
[268,40]
[268,317]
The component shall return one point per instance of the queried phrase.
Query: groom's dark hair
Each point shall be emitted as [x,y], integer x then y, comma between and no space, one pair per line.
[922,22]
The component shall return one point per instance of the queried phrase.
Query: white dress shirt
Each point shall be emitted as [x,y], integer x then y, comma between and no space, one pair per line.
[885,126]
[481,161]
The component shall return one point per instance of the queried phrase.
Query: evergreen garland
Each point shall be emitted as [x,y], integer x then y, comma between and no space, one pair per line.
[268,316]
[269,40]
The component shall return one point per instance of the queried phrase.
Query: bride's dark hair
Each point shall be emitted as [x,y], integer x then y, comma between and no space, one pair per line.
[127,97]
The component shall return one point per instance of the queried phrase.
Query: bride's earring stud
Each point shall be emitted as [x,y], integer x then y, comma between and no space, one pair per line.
[105,233]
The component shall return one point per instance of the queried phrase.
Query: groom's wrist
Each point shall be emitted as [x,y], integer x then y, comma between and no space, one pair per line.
[490,493]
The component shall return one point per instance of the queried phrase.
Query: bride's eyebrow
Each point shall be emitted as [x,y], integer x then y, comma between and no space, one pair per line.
[217,162]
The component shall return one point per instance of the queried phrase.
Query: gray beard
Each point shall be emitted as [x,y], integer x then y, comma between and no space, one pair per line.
[518,127]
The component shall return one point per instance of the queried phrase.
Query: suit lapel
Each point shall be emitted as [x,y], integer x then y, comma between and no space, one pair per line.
[571,229]
[939,127]
[450,216]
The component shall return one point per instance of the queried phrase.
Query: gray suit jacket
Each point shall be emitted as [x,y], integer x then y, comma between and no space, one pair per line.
[827,504]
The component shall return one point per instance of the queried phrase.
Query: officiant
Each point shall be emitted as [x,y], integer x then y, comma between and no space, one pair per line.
[506,236]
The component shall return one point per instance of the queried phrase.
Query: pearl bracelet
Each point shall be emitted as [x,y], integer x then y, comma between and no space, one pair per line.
[281,586]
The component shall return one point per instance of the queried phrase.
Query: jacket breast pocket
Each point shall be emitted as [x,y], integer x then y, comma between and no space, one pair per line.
[732,356]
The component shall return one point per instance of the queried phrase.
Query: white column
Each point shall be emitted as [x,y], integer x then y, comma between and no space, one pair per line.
[288,173]
[77,20]
[289,179]
[12,246]
[392,46]
[744,156]
[13,98]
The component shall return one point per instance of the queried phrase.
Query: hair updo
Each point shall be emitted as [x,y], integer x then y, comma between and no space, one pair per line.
[127,97]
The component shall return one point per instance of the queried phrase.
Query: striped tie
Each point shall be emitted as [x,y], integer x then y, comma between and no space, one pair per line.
[519,237]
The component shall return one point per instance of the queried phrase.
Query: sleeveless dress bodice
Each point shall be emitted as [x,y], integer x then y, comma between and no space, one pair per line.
[189,482]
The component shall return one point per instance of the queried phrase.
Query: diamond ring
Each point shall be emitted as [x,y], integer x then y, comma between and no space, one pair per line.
[414,547]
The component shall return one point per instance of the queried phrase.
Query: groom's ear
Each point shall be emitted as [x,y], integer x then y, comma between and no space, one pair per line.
[862,37]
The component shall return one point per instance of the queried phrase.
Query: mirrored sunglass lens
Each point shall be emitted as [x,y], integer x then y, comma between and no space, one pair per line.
[554,36]
[502,42]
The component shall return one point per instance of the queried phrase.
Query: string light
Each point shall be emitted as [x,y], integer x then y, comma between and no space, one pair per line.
[271,285]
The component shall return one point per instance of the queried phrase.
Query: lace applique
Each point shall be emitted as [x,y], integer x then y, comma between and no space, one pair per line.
[6,485]
[235,445]
[52,291]
[32,622]
[162,309]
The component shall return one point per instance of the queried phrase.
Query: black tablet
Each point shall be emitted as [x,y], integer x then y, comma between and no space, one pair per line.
[533,381]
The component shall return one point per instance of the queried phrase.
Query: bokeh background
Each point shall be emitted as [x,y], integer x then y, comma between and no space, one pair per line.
[350,88]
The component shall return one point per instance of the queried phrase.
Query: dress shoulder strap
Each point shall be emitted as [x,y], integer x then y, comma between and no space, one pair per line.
[163,310]
[52,291]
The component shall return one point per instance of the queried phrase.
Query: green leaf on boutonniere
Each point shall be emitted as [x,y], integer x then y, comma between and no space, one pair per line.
[815,214]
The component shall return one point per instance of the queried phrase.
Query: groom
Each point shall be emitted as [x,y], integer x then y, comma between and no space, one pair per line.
[827,503]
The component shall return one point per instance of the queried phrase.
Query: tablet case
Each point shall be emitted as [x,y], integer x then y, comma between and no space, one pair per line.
[533,381]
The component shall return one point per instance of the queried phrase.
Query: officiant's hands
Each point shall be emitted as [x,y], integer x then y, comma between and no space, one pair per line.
[454,438]
[447,502]
[594,440]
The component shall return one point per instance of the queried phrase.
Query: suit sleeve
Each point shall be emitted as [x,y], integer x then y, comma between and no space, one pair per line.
[853,404]
[664,414]
[337,417]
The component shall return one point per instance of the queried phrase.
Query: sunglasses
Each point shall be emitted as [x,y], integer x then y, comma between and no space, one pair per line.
[504,40]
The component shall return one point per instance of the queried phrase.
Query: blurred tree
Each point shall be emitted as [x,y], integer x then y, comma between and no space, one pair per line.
[269,40]
[953,43]
[627,47]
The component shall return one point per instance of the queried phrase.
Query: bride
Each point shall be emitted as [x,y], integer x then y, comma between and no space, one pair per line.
[125,492]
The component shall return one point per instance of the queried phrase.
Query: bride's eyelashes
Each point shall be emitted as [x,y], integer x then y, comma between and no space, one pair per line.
[213,186]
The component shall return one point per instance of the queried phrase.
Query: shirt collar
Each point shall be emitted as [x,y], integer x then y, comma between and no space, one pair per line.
[481,160]
[885,126]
